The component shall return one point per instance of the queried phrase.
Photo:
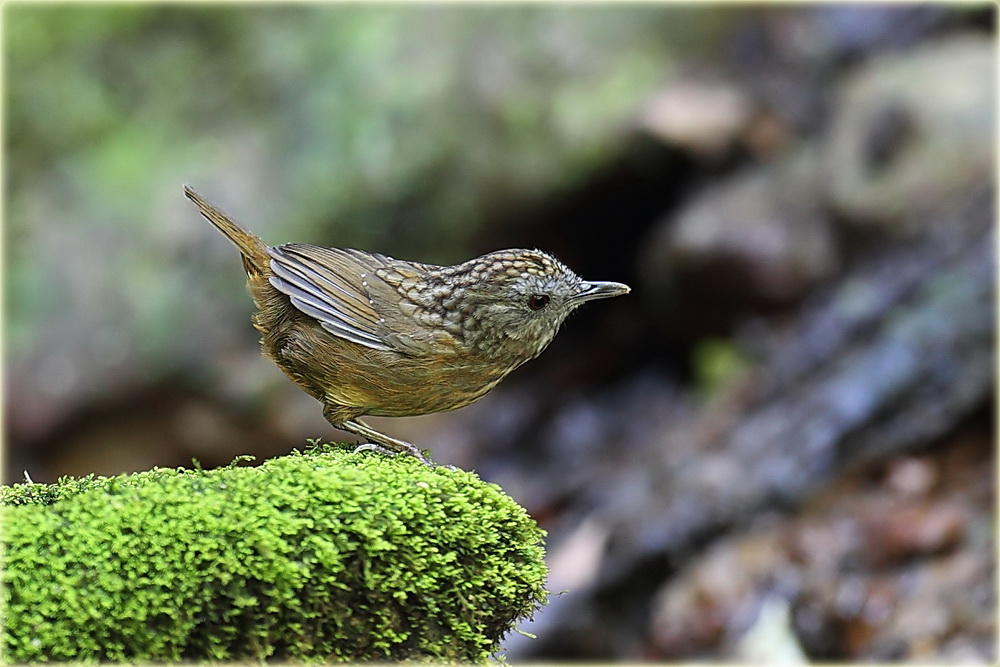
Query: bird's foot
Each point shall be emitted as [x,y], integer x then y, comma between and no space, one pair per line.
[382,443]
[381,449]
[372,447]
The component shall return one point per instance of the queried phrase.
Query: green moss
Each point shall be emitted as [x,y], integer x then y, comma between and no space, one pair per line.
[322,555]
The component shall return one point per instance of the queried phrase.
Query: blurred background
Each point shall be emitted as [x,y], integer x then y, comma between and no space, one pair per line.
[778,447]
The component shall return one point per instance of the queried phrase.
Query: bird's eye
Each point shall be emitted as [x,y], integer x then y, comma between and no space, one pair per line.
[538,301]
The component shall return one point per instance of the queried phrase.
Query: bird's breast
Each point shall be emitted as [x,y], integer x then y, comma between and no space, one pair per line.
[423,386]
[381,382]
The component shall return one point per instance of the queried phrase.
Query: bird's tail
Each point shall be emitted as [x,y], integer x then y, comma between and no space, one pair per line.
[255,257]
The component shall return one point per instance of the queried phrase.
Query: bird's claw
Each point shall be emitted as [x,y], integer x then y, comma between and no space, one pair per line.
[381,449]
[372,447]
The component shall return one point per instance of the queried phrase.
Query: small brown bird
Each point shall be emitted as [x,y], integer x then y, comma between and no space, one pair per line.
[366,334]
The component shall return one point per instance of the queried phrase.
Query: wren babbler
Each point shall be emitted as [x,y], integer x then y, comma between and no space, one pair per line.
[367,334]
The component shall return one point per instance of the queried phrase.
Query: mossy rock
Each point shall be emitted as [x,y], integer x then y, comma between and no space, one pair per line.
[322,555]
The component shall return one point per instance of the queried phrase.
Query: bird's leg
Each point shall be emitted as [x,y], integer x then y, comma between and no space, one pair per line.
[380,441]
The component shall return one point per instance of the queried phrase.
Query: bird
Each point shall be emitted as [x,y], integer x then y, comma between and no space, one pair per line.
[367,334]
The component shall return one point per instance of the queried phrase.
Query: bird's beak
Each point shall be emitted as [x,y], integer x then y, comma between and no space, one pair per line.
[600,290]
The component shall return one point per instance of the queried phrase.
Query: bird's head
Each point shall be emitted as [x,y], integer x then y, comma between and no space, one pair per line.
[512,302]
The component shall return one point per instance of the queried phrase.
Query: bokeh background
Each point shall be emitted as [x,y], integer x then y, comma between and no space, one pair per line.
[780,446]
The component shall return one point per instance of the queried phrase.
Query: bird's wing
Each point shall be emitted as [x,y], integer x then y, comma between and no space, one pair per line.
[342,290]
[328,284]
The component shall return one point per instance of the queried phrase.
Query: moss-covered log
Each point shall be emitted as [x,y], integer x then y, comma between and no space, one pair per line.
[320,555]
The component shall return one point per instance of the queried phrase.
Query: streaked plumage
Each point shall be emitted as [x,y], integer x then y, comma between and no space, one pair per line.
[367,334]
